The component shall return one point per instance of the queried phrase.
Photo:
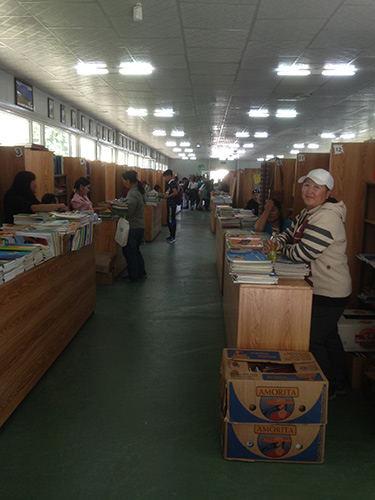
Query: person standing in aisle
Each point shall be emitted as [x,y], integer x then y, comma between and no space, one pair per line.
[317,236]
[171,197]
[135,203]
[79,199]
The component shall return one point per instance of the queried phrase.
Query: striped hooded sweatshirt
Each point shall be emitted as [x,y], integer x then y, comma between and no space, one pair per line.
[317,236]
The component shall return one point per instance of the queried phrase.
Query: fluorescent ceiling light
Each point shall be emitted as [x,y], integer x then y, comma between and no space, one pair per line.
[185,158]
[268,157]
[294,151]
[181,154]
[293,70]
[159,133]
[198,145]
[136,68]
[339,70]
[184,144]
[171,144]
[280,156]
[286,113]
[191,154]
[259,113]
[299,146]
[242,134]
[164,113]
[241,151]
[137,112]
[261,134]
[328,135]
[91,69]
[177,133]
[188,150]
[248,145]
[234,145]
[313,146]
[177,150]
[347,136]
[260,159]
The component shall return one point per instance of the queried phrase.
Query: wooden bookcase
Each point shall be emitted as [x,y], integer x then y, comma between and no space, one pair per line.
[102,182]
[367,275]
[18,158]
[153,216]
[74,168]
[352,166]
[60,188]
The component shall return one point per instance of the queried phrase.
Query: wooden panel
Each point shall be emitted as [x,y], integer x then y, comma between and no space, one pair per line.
[231,303]
[41,164]
[352,165]
[304,164]
[120,169]
[288,167]
[110,181]
[164,212]
[152,221]
[97,179]
[246,185]
[105,242]
[275,316]
[31,336]
[74,168]
[220,253]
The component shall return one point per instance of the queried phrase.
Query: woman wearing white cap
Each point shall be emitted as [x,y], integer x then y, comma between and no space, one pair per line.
[317,236]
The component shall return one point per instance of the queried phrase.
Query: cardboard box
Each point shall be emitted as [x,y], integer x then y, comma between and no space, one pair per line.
[278,442]
[104,262]
[272,386]
[357,330]
[104,278]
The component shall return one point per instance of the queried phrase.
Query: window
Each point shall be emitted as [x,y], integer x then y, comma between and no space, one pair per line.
[106,154]
[73,145]
[37,133]
[121,158]
[56,140]
[88,148]
[132,160]
[13,130]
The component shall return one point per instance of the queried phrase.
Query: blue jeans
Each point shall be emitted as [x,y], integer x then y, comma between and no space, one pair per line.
[133,256]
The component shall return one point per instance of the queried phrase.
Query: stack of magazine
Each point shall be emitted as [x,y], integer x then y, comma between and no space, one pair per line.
[287,269]
[251,267]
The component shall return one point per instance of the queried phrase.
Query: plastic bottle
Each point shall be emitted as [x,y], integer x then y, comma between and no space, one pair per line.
[273,248]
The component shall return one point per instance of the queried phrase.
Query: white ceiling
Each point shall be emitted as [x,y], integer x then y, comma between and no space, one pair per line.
[214,60]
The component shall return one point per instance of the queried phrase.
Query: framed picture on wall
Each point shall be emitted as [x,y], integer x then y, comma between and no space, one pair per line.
[73,119]
[62,113]
[24,95]
[104,135]
[90,127]
[98,130]
[51,108]
[83,123]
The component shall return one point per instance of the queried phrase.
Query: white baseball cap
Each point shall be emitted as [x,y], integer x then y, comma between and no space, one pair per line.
[320,176]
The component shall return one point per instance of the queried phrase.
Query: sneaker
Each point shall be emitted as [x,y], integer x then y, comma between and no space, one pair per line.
[171,240]
[168,238]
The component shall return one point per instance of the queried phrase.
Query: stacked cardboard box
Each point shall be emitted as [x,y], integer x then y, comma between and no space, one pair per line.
[357,330]
[104,264]
[273,406]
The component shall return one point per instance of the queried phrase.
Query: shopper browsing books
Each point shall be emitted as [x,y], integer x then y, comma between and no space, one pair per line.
[20,198]
[171,197]
[134,208]
[317,236]
[253,203]
[272,220]
[79,199]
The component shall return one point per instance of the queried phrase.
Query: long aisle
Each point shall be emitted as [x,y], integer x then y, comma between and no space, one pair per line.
[130,410]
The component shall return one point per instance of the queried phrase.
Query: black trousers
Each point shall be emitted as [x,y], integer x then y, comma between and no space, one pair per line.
[326,345]
[171,220]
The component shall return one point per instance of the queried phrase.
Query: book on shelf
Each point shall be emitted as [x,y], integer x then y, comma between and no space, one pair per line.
[369,258]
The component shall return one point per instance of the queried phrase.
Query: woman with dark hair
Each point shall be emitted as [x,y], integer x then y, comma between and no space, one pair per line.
[20,198]
[135,203]
[79,199]
[272,220]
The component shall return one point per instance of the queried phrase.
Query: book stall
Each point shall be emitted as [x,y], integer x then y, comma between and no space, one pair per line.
[39,256]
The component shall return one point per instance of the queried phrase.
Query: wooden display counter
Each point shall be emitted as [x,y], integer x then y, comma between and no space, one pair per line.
[41,311]
[220,253]
[153,217]
[273,317]
[105,242]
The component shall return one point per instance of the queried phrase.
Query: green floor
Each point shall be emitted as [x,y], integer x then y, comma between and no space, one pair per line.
[130,410]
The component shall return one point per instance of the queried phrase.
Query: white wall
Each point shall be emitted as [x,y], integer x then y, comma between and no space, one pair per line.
[184,168]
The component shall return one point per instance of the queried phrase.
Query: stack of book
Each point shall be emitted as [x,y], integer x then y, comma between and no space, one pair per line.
[251,267]
[238,242]
[287,269]
[223,198]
